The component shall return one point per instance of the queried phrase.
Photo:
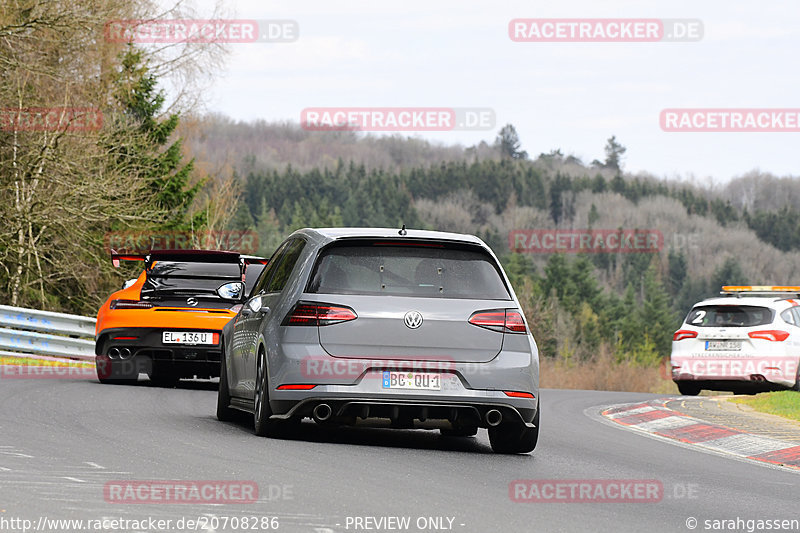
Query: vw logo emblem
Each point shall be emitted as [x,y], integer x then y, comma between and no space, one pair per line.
[191,301]
[413,319]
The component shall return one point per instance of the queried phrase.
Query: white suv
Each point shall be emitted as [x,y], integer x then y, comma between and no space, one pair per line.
[748,339]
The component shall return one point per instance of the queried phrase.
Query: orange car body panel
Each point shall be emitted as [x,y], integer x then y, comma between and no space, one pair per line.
[157,317]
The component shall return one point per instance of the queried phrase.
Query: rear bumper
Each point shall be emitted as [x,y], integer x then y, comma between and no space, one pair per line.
[467,409]
[144,347]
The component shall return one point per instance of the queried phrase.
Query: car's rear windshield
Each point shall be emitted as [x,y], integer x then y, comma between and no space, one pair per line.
[184,278]
[729,316]
[401,269]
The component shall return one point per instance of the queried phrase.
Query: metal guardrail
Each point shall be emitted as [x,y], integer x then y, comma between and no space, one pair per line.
[28,331]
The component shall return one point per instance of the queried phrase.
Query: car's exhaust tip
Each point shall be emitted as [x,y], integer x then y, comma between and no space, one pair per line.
[322,412]
[493,417]
[113,353]
[757,378]
[125,353]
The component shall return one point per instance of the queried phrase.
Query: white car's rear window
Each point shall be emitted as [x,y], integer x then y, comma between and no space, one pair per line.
[741,316]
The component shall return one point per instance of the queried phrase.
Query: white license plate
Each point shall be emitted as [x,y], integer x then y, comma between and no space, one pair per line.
[730,346]
[188,337]
[412,380]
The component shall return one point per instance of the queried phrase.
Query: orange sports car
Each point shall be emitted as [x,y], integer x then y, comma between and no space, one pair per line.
[167,322]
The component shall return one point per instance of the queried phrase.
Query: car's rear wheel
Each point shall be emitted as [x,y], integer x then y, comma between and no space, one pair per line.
[797,379]
[224,411]
[515,437]
[262,412]
[688,388]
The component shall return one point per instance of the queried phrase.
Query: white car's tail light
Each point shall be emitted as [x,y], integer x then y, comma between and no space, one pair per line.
[774,335]
[684,334]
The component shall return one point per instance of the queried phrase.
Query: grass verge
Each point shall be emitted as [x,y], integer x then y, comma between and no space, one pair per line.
[783,403]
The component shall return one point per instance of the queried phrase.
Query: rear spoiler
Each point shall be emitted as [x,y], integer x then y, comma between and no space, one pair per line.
[189,256]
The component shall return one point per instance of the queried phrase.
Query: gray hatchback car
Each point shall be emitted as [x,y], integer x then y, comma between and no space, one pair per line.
[418,328]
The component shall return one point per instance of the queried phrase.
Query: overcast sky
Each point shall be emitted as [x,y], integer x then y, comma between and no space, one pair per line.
[571,96]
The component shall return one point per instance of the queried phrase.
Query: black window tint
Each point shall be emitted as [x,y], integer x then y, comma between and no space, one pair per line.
[272,264]
[175,278]
[729,316]
[433,271]
[251,276]
[286,265]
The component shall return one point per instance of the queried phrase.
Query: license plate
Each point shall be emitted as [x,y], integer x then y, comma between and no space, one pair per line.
[189,337]
[730,346]
[412,380]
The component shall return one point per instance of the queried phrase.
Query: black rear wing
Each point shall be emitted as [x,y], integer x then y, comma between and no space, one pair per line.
[189,256]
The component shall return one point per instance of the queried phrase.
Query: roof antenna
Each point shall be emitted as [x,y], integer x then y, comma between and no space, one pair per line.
[402,230]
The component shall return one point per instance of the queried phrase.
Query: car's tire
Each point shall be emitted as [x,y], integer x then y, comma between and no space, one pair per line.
[224,411]
[797,379]
[688,388]
[264,427]
[515,437]
[465,431]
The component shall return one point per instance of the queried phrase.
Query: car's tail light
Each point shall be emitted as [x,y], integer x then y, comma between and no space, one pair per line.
[518,394]
[502,320]
[684,334]
[774,335]
[129,304]
[307,314]
[296,387]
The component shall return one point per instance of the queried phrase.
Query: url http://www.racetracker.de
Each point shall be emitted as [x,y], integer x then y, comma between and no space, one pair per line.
[45,524]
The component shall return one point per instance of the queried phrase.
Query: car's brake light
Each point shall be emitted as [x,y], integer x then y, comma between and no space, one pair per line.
[502,320]
[129,304]
[774,335]
[296,387]
[306,314]
[684,334]
[518,394]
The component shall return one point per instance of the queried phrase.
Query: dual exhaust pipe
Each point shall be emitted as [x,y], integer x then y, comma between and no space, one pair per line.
[119,353]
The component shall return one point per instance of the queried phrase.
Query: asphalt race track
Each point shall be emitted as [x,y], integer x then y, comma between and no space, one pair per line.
[62,440]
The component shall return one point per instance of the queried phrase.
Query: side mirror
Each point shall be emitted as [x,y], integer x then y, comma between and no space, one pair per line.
[255,304]
[231,291]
